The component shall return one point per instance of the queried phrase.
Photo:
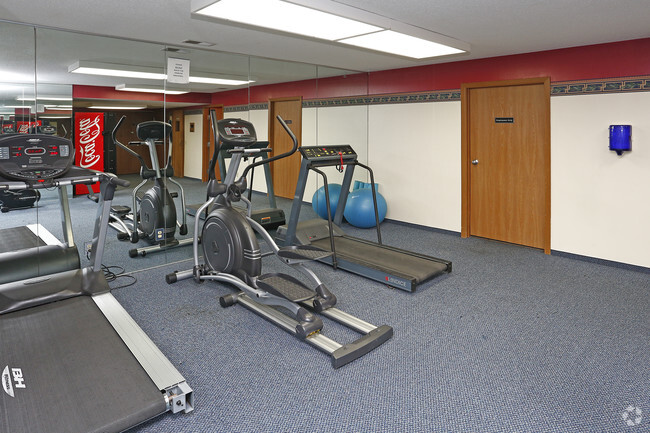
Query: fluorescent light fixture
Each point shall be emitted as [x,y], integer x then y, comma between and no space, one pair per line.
[332,21]
[53,117]
[31,107]
[129,71]
[287,17]
[10,86]
[220,81]
[46,98]
[113,70]
[149,89]
[105,107]
[400,44]
[12,77]
[59,107]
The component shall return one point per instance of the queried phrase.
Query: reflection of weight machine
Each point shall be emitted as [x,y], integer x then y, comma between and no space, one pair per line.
[14,200]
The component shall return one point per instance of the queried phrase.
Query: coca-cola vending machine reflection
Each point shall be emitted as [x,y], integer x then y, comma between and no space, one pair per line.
[89,146]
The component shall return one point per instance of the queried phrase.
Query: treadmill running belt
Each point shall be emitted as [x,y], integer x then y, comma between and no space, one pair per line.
[18,238]
[385,259]
[95,384]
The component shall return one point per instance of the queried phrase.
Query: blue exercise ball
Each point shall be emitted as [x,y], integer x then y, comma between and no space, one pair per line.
[319,204]
[360,211]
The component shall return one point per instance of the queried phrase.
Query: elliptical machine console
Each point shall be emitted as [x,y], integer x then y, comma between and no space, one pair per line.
[152,217]
[232,255]
[236,132]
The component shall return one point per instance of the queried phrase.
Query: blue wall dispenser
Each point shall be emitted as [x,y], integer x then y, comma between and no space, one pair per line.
[620,138]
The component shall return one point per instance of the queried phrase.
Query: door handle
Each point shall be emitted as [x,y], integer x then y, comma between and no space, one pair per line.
[475,162]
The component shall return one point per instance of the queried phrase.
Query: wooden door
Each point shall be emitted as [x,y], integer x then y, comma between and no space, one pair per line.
[208,139]
[126,163]
[178,142]
[285,171]
[506,161]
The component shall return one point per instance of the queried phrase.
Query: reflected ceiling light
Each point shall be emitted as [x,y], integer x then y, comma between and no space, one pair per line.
[9,86]
[400,44]
[59,107]
[129,71]
[53,117]
[113,70]
[105,107]
[30,107]
[149,89]
[12,77]
[45,98]
[220,81]
[332,21]
[286,17]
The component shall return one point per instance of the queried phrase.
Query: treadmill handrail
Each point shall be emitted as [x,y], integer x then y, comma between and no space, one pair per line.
[374,198]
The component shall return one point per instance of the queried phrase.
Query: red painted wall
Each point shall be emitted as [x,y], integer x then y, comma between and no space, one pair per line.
[617,59]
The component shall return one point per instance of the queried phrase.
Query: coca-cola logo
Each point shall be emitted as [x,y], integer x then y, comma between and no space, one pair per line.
[89,130]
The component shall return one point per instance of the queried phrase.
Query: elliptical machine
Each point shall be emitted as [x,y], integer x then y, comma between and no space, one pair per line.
[232,255]
[152,217]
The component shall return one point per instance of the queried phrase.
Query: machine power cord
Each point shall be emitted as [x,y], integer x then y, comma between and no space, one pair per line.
[112,273]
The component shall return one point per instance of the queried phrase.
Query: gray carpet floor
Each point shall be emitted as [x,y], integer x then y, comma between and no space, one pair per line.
[511,341]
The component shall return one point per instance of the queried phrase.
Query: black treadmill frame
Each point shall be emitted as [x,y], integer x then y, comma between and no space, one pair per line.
[290,234]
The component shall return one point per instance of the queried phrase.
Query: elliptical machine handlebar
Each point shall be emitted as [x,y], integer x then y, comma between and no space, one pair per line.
[131,151]
[217,145]
[276,157]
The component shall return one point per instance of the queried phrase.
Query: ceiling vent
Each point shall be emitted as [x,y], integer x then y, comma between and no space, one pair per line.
[199,43]
[175,50]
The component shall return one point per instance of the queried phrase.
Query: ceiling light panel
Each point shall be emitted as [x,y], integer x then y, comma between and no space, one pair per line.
[46,98]
[401,44]
[220,81]
[105,107]
[148,89]
[107,69]
[287,17]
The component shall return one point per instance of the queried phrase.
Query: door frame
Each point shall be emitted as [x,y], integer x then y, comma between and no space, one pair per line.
[295,127]
[466,147]
[207,142]
[178,144]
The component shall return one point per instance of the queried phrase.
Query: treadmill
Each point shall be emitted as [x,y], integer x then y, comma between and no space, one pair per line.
[392,266]
[71,357]
[270,218]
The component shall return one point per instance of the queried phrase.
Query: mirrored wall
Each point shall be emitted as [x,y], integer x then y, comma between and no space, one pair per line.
[74,85]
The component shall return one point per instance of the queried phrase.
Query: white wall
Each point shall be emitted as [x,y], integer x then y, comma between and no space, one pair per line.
[414,150]
[599,200]
[193,146]
[339,125]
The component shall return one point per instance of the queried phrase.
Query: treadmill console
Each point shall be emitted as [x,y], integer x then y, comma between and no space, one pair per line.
[334,153]
[33,157]
[236,132]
